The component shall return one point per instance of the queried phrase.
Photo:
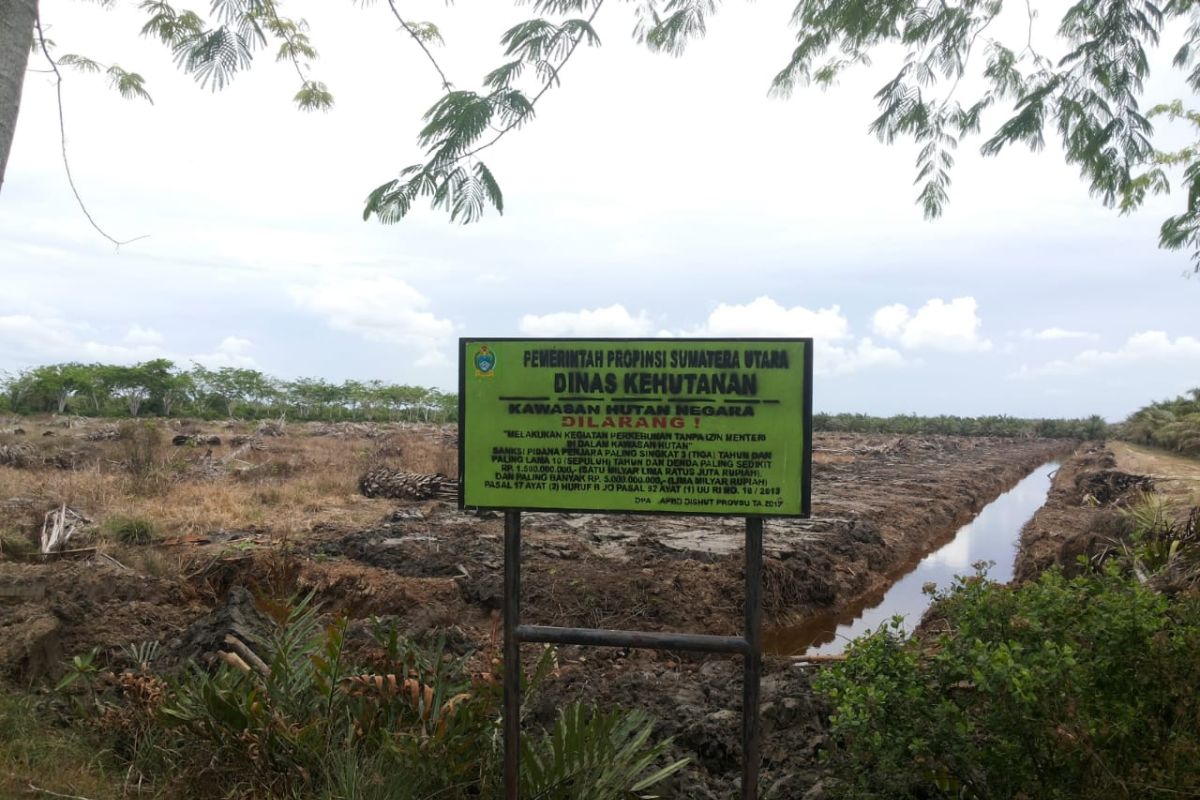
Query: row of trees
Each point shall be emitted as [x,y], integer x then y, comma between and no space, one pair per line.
[1094,427]
[161,388]
[1173,424]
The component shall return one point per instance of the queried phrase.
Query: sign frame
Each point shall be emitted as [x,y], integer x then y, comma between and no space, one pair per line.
[806,424]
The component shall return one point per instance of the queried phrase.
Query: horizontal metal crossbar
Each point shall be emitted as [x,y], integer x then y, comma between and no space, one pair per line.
[701,643]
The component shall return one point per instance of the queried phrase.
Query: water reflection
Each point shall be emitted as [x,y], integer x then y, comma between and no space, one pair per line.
[991,536]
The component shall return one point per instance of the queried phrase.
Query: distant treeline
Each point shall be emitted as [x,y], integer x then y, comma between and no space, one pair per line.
[1171,424]
[1094,427]
[160,388]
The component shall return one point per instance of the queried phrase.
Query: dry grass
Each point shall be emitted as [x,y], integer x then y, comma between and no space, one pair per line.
[296,484]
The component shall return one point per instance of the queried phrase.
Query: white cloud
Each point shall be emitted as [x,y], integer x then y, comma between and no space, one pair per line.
[836,351]
[835,360]
[1057,334]
[765,317]
[231,352]
[889,321]
[137,335]
[30,338]
[937,325]
[611,321]
[1145,348]
[379,309]
[40,340]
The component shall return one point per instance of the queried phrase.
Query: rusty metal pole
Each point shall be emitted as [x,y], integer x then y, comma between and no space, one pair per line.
[753,659]
[512,655]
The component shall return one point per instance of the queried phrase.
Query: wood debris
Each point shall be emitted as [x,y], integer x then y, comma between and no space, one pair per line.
[59,526]
[195,440]
[272,427]
[17,456]
[106,434]
[384,482]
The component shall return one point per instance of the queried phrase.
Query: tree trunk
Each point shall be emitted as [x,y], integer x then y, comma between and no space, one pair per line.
[16,39]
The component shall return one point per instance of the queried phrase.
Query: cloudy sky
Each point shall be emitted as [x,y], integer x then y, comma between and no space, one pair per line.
[651,196]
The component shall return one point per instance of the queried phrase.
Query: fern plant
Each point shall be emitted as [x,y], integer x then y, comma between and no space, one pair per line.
[305,721]
[594,755]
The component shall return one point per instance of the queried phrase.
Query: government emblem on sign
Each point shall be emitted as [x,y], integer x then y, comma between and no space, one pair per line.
[485,363]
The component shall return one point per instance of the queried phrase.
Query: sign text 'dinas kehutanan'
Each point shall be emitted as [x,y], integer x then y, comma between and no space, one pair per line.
[701,426]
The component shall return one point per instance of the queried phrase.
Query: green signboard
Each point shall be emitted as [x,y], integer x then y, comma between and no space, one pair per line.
[678,426]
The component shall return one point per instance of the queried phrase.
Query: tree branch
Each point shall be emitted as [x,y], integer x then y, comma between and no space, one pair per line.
[553,79]
[62,131]
[420,43]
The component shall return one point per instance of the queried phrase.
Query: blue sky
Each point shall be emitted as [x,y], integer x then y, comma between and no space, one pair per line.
[651,196]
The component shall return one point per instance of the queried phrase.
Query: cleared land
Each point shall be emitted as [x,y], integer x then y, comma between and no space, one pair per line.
[282,514]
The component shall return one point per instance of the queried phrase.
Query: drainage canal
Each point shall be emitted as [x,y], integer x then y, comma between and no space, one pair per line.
[991,536]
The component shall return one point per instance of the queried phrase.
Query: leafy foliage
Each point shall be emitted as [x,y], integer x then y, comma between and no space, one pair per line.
[1171,424]
[215,50]
[1059,688]
[1093,427]
[462,123]
[305,720]
[1089,96]
[159,387]
[1158,539]
[592,755]
[1086,90]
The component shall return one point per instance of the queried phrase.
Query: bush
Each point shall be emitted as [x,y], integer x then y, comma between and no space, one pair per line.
[1061,688]
[130,530]
[300,720]
[15,545]
[141,447]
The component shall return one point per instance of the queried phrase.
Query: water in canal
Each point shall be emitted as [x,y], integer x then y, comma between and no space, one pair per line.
[991,536]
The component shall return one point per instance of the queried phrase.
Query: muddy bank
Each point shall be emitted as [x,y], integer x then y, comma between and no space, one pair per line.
[879,503]
[1081,515]
[50,612]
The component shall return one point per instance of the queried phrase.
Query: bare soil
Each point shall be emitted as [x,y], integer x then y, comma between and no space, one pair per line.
[1175,477]
[879,502]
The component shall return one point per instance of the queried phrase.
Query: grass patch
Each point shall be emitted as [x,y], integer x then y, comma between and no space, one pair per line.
[35,751]
[131,530]
[15,545]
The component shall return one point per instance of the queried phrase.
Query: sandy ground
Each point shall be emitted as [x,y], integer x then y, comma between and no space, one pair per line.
[1175,477]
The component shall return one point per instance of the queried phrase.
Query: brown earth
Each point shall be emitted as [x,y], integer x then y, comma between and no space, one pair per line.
[1175,477]
[1082,515]
[288,519]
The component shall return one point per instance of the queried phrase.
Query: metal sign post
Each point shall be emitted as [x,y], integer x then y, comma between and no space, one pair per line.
[749,646]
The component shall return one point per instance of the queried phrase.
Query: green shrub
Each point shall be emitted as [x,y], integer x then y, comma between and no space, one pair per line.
[15,545]
[1060,688]
[1158,538]
[130,530]
[304,722]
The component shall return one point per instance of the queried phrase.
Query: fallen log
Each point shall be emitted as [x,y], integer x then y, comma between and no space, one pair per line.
[401,485]
[195,440]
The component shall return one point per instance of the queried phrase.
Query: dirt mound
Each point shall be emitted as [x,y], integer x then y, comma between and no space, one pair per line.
[51,611]
[1080,516]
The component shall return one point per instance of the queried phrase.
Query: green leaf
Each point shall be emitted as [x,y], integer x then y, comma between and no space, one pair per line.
[313,96]
[130,85]
[81,63]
